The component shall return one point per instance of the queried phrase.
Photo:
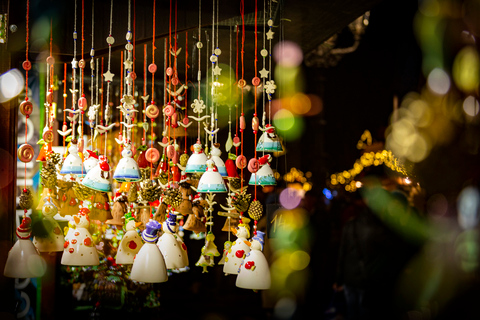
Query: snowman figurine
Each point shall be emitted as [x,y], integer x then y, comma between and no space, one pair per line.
[54,240]
[79,248]
[240,248]
[254,271]
[131,242]
[149,265]
[169,246]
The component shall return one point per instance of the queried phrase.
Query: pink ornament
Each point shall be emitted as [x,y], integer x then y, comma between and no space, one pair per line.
[152,68]
[169,110]
[82,103]
[241,162]
[152,155]
[242,123]
[253,165]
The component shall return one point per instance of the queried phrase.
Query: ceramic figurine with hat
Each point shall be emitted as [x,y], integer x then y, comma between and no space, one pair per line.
[79,249]
[264,176]
[254,272]
[127,169]
[240,248]
[197,161]
[98,178]
[169,246]
[73,163]
[211,180]
[131,242]
[149,264]
[91,160]
[23,260]
[51,239]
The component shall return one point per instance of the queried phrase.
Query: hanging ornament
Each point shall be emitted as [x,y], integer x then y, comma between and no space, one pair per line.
[264,175]
[197,161]
[91,160]
[168,245]
[211,180]
[210,249]
[196,220]
[127,169]
[100,210]
[149,264]
[73,163]
[79,249]
[226,246]
[119,209]
[23,260]
[240,248]
[131,242]
[98,178]
[215,154]
[254,271]
[48,236]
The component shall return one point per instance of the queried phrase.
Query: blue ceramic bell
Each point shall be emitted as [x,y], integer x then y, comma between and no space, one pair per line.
[98,178]
[211,180]
[268,141]
[73,163]
[197,161]
[127,169]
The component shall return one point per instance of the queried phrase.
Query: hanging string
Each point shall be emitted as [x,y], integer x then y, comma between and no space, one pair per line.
[236,90]
[82,66]
[101,105]
[270,64]
[186,80]
[152,70]
[108,75]
[74,71]
[255,98]
[92,69]
[242,8]
[144,93]
[199,73]
[64,100]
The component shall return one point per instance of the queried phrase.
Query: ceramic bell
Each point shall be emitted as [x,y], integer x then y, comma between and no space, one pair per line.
[149,265]
[100,207]
[118,211]
[23,260]
[79,248]
[98,178]
[236,254]
[210,249]
[204,262]
[73,163]
[211,180]
[183,248]
[91,160]
[131,242]
[185,208]
[127,169]
[51,239]
[226,246]
[215,156]
[169,246]
[197,161]
[264,176]
[268,141]
[254,272]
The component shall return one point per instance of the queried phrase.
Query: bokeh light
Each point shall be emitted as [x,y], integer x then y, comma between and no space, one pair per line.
[11,84]
[287,124]
[465,69]
[290,198]
[288,54]
[471,106]
[438,81]
[468,206]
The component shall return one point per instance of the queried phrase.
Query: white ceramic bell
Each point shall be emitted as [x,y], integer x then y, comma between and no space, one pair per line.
[264,176]
[215,156]
[149,265]
[91,160]
[73,163]
[131,242]
[268,141]
[197,161]
[98,178]
[127,168]
[211,180]
[240,248]
[54,240]
[23,260]
[169,246]
[254,272]
[79,248]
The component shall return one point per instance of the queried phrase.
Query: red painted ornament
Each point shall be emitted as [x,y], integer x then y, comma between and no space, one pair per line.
[249,264]
[132,245]
[239,253]
[87,242]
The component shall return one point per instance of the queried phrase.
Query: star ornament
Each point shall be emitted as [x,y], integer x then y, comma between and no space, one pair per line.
[217,70]
[108,76]
[128,64]
[270,34]
[264,73]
